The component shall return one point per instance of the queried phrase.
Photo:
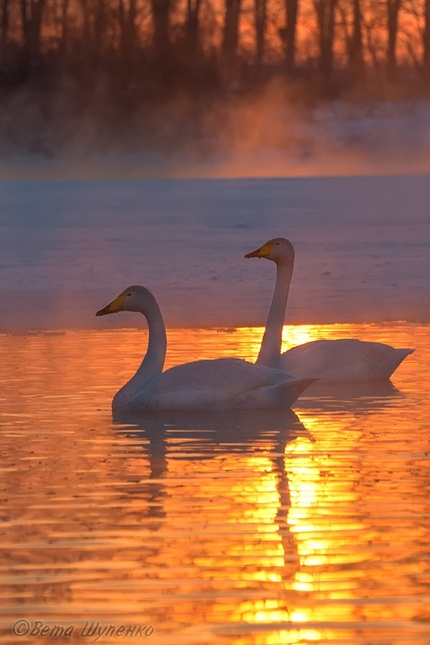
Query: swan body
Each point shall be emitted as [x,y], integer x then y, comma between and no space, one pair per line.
[221,384]
[344,359]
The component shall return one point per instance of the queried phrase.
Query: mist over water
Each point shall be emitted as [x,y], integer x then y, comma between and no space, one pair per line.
[177,207]
[268,134]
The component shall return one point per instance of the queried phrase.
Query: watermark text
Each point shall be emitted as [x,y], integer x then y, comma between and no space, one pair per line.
[92,630]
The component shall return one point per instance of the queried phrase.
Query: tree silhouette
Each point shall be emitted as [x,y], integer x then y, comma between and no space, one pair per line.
[288,33]
[393,8]
[426,45]
[325,12]
[31,16]
[161,30]
[134,56]
[260,10]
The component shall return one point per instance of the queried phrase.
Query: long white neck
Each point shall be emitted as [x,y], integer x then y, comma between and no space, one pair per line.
[270,350]
[153,362]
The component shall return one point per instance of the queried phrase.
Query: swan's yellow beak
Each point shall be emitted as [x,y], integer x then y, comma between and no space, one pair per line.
[263,252]
[114,306]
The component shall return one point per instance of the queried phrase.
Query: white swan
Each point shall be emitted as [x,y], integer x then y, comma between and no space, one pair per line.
[225,383]
[345,359]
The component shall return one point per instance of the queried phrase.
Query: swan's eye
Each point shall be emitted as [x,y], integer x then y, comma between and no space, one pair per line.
[129,294]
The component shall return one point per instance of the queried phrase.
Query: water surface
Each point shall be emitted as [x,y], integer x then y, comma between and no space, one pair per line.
[265,528]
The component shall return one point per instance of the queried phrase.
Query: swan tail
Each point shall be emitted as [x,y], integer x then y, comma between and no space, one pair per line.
[296,388]
[280,395]
[391,361]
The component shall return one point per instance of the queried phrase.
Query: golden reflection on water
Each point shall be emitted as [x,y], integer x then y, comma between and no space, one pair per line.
[252,529]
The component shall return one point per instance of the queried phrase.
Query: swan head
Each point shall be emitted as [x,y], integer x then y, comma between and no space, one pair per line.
[279,250]
[133,298]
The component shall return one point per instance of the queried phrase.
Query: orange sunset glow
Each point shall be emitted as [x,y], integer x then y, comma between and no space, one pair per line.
[279,530]
[180,76]
[214,331]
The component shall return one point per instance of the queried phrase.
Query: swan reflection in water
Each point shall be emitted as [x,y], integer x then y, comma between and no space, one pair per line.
[257,494]
[362,397]
[227,437]
[211,433]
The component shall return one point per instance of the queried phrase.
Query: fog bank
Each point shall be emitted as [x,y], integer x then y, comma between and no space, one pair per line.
[267,135]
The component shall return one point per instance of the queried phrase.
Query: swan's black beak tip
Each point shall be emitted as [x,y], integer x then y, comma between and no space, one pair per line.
[105,311]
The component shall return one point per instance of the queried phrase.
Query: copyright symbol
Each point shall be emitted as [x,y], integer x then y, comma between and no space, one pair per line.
[21,627]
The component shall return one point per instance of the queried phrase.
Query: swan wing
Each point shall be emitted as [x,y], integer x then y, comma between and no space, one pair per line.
[218,384]
[343,359]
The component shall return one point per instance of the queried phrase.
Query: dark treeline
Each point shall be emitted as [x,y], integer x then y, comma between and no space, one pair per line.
[116,57]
